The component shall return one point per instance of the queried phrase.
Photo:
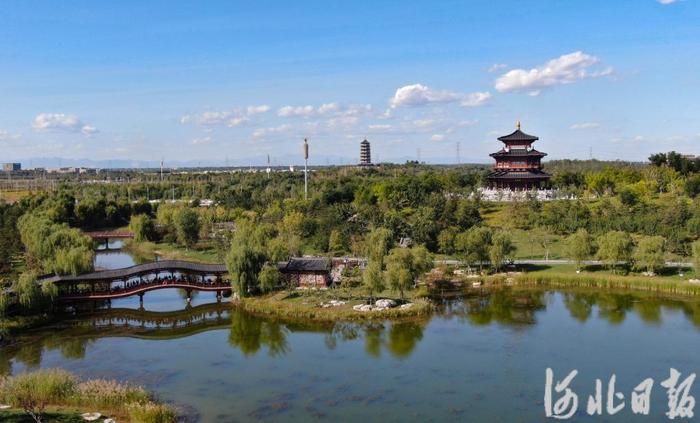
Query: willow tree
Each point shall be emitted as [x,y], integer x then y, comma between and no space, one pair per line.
[614,248]
[579,247]
[143,227]
[500,249]
[649,254]
[405,265]
[244,260]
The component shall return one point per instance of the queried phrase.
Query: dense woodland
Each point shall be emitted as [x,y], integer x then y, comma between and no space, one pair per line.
[635,213]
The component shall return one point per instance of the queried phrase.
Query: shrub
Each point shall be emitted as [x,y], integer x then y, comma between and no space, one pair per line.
[32,392]
[151,412]
[109,394]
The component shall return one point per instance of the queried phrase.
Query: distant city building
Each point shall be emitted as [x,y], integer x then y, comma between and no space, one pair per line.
[365,154]
[518,165]
[11,167]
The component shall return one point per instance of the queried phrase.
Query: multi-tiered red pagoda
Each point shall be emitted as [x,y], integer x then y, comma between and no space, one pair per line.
[518,164]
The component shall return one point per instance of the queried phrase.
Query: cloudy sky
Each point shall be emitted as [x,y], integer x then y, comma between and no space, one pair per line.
[215,81]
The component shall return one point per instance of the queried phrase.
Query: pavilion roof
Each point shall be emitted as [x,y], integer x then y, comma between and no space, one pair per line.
[518,153]
[518,174]
[518,136]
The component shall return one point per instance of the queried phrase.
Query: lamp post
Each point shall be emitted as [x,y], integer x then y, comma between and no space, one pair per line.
[306,172]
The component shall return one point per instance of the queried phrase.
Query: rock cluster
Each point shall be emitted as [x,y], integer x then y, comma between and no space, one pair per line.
[379,305]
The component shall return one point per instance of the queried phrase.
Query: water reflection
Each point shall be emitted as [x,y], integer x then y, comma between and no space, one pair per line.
[518,309]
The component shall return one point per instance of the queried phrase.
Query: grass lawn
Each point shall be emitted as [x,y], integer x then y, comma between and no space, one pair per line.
[305,304]
[669,282]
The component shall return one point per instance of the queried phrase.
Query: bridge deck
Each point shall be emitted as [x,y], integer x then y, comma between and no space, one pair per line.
[109,234]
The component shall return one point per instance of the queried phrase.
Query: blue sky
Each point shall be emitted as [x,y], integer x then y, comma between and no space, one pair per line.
[210,81]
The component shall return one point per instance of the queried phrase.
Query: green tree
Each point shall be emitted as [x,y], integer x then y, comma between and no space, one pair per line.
[270,278]
[143,228]
[649,253]
[244,261]
[405,265]
[696,256]
[446,240]
[500,249]
[372,278]
[614,248]
[187,227]
[27,290]
[338,242]
[474,245]
[377,244]
[579,247]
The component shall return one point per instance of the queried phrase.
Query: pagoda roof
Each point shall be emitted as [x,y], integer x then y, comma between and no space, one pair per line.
[518,153]
[518,174]
[364,142]
[518,136]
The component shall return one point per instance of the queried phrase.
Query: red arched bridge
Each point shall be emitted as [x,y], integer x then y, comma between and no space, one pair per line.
[139,279]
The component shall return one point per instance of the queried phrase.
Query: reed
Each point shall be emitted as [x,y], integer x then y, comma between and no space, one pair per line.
[589,280]
[151,412]
[35,391]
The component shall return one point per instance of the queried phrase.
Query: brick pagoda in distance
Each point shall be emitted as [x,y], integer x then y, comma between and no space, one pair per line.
[518,165]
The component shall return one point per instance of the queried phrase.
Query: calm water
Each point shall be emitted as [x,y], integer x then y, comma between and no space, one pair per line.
[478,359]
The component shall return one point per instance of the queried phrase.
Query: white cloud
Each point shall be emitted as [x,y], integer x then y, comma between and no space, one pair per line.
[235,121]
[437,137]
[255,110]
[585,125]
[664,2]
[379,127]
[475,99]
[263,132]
[497,66]
[423,123]
[300,111]
[201,141]
[565,69]
[60,122]
[326,109]
[224,117]
[420,95]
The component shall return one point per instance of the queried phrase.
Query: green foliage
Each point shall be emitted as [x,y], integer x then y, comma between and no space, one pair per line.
[33,392]
[244,261]
[696,256]
[405,265]
[143,227]
[372,278]
[270,278]
[446,240]
[580,247]
[615,248]
[500,250]
[27,290]
[649,253]
[474,245]
[187,227]
[338,242]
[377,245]
[55,247]
[151,412]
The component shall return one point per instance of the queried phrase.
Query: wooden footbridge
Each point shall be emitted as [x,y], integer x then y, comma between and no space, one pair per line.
[139,279]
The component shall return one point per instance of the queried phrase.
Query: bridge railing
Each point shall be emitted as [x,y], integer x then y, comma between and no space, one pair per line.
[137,287]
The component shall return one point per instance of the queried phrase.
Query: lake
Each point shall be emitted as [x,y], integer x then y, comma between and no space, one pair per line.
[481,358]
